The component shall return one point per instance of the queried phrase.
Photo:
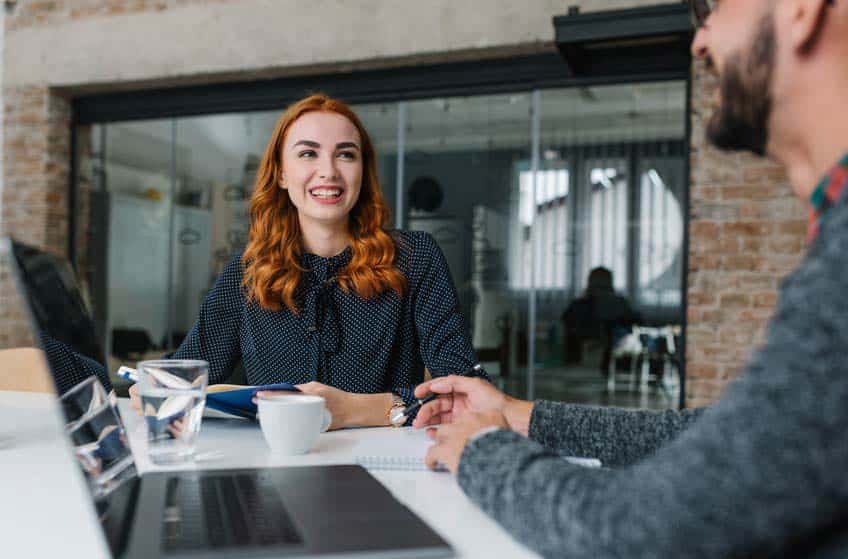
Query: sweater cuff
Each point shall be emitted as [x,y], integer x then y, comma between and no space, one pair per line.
[490,457]
[483,432]
[550,422]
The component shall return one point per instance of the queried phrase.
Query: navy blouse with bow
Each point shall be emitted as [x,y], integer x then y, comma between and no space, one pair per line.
[338,338]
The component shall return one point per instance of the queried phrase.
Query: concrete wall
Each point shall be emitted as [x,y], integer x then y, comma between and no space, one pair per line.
[87,43]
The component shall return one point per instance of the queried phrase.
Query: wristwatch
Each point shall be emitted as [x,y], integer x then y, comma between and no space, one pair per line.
[395,414]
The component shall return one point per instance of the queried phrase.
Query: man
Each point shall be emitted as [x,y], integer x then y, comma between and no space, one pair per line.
[763,471]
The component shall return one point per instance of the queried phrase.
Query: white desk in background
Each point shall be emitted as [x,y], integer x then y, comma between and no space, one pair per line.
[45,510]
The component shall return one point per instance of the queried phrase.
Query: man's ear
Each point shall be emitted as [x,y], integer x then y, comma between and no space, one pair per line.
[806,18]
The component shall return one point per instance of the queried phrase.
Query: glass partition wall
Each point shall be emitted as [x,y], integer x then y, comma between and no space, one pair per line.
[526,194]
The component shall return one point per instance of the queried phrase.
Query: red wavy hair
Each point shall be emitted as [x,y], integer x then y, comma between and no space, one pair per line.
[273,269]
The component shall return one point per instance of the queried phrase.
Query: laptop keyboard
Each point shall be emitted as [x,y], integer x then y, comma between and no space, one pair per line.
[209,511]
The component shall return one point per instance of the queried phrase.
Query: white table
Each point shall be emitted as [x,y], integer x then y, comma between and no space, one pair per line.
[45,509]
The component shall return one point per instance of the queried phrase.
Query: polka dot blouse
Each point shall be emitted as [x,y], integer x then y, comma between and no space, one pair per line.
[70,367]
[338,338]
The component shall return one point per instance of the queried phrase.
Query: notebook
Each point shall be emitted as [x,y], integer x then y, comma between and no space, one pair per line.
[409,463]
[416,463]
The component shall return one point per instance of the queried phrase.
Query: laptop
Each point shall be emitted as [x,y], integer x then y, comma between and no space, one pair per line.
[312,511]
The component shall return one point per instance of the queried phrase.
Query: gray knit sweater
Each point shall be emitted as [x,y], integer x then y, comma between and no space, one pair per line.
[763,472]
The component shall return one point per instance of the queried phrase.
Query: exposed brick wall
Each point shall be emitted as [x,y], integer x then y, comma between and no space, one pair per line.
[36,166]
[30,13]
[746,232]
[14,327]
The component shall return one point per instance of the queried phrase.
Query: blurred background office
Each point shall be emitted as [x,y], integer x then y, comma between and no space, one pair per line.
[536,141]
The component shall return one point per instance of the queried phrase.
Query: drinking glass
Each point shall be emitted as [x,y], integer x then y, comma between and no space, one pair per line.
[98,436]
[173,393]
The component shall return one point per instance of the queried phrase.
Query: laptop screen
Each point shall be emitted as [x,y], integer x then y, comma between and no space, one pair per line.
[50,297]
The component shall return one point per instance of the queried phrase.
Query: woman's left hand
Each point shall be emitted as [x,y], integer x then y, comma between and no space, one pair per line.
[342,405]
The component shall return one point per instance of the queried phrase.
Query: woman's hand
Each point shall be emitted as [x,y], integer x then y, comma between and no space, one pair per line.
[347,408]
[135,399]
[343,406]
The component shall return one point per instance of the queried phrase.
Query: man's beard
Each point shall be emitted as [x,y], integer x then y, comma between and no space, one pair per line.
[741,122]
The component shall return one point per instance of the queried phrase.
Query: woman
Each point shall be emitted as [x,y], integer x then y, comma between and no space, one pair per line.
[323,296]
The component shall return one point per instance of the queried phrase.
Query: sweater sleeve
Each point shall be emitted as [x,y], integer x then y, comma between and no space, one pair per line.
[759,473]
[615,436]
[215,335]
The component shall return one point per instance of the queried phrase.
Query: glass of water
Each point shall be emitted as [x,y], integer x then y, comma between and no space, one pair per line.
[98,436]
[173,393]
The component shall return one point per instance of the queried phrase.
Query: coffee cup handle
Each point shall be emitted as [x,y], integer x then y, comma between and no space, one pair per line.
[327,419]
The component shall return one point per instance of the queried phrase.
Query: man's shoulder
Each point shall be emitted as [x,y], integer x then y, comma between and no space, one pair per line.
[821,279]
[836,224]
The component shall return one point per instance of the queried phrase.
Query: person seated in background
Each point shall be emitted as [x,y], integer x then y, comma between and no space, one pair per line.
[762,472]
[325,296]
[600,314]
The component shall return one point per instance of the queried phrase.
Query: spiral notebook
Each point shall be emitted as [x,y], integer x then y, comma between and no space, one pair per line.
[408,463]
[416,463]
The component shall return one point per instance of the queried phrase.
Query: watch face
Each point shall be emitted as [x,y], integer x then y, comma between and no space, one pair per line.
[396,415]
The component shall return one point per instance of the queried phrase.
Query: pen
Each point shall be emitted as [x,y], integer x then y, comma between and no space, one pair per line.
[128,373]
[474,371]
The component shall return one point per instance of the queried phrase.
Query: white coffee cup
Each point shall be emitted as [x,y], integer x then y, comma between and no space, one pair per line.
[292,422]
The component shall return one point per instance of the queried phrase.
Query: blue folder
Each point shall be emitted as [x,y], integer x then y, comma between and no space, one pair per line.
[239,401]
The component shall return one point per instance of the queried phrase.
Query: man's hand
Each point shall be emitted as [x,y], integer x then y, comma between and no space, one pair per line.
[460,396]
[450,440]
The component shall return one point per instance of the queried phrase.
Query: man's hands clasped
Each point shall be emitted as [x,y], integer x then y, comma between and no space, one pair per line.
[465,406]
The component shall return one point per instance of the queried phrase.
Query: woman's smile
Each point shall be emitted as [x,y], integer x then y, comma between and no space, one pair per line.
[326,193]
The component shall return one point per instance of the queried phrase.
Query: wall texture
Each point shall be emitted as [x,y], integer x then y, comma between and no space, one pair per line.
[116,42]
[746,232]
[746,228]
